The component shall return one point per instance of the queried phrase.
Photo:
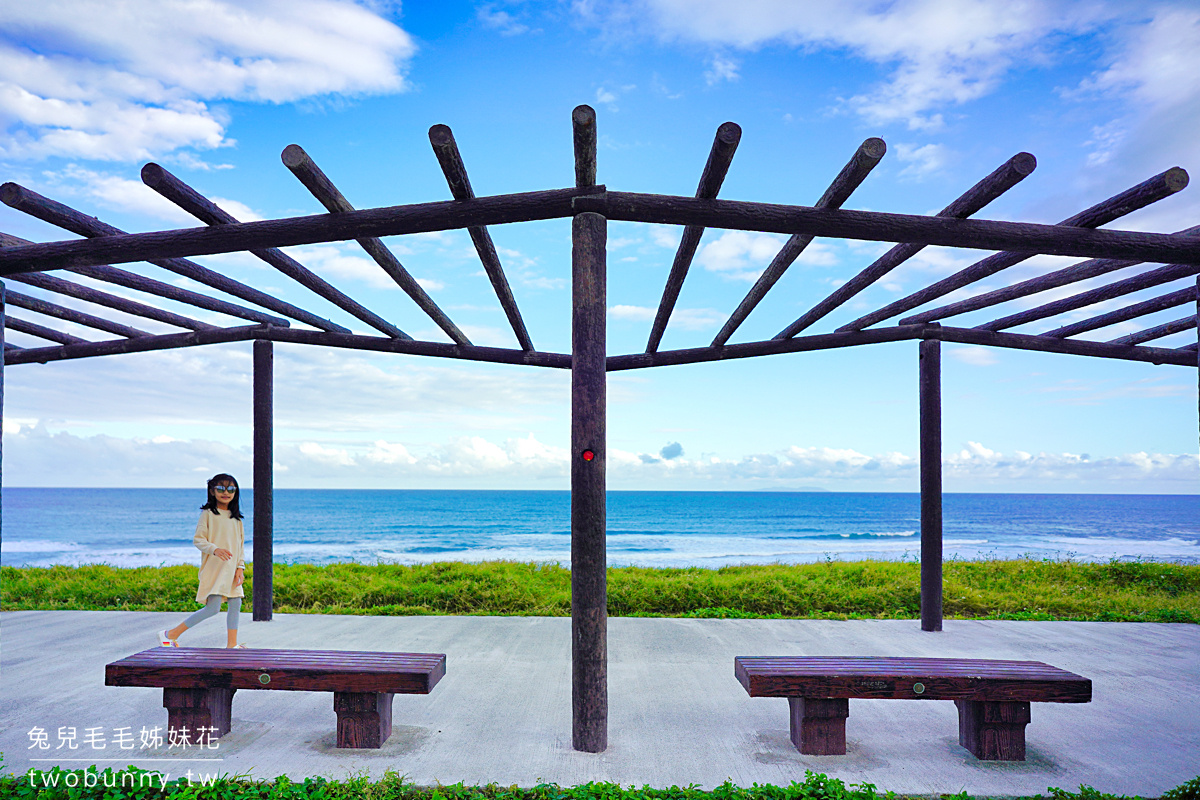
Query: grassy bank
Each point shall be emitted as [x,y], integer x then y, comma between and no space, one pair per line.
[135,784]
[1022,589]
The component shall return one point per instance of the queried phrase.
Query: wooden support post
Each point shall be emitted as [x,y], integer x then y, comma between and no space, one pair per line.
[589,589]
[200,715]
[364,719]
[993,731]
[818,725]
[931,484]
[264,482]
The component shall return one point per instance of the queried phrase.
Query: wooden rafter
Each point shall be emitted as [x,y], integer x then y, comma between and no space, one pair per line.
[1105,250]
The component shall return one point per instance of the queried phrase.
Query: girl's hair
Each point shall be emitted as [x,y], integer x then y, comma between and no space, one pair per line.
[223,479]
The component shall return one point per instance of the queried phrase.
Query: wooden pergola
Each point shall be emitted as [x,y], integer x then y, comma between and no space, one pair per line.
[590,205]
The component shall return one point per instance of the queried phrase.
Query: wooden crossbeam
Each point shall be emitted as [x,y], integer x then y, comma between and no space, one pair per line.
[132,280]
[40,331]
[1150,191]
[1051,280]
[67,218]
[1158,331]
[80,292]
[446,150]
[868,155]
[1008,175]
[208,212]
[71,315]
[1076,347]
[1146,280]
[625,206]
[719,158]
[324,190]
[1160,303]
[877,226]
[80,348]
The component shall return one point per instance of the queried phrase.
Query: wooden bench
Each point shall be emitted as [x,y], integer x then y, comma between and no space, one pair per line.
[199,683]
[993,697]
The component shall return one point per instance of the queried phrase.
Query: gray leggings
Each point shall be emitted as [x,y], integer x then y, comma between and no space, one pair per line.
[212,607]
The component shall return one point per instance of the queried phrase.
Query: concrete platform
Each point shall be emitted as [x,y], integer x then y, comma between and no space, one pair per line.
[676,714]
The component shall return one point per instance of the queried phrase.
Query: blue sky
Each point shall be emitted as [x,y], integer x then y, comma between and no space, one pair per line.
[1103,94]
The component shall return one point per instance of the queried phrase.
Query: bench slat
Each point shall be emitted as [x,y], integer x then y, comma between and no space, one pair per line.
[295,670]
[897,678]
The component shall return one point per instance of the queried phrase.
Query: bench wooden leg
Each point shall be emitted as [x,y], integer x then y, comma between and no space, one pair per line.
[364,719]
[993,731]
[204,713]
[819,725]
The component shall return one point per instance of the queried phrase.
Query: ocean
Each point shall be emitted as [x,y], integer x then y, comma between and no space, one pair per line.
[151,527]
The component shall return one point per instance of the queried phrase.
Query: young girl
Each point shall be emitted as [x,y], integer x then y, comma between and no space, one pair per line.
[219,536]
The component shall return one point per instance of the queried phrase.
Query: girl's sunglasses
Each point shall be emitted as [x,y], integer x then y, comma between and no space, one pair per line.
[230,489]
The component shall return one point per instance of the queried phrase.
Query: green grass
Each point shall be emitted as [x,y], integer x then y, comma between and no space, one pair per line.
[1133,591]
[130,784]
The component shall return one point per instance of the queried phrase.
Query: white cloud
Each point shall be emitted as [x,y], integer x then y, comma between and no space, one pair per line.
[975,356]
[337,261]
[138,80]
[639,313]
[115,192]
[940,52]
[721,68]
[35,456]
[502,21]
[922,161]
[740,255]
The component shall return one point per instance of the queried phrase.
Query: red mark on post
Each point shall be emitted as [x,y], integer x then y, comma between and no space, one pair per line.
[588,455]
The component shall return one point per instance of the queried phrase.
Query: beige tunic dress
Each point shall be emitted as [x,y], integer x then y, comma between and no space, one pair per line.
[217,529]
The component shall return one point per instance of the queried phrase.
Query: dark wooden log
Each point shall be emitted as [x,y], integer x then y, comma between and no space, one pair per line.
[324,190]
[437,349]
[208,212]
[83,349]
[719,158]
[446,150]
[1147,280]
[931,484]
[818,725]
[1160,303]
[80,292]
[583,130]
[589,587]
[1157,332]
[40,331]
[872,226]
[71,315]
[1076,347]
[993,731]
[1150,191]
[826,341]
[553,204]
[132,280]
[1000,181]
[364,719]
[65,217]
[1072,274]
[264,480]
[869,154]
